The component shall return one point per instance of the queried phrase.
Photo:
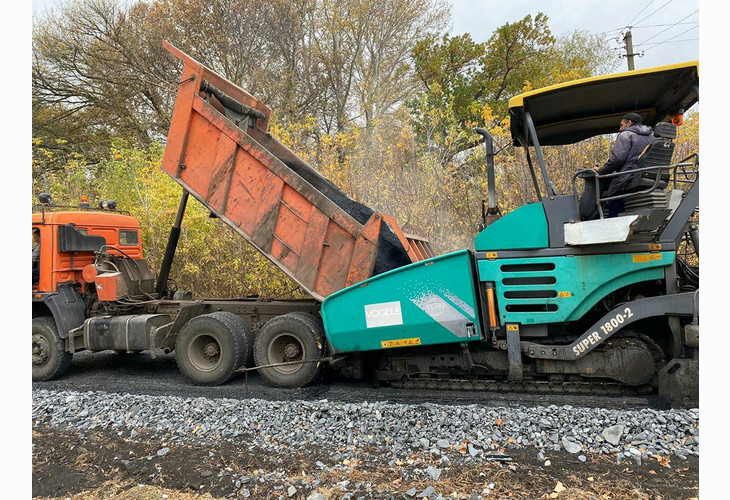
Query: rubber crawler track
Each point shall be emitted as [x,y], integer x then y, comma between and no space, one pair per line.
[538,387]
[594,387]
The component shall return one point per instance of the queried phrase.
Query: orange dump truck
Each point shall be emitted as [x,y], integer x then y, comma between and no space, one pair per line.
[94,291]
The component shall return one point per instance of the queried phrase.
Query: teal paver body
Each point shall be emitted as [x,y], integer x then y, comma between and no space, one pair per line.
[561,289]
[522,229]
[437,301]
[429,302]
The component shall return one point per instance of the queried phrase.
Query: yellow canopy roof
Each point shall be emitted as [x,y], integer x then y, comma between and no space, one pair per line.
[572,111]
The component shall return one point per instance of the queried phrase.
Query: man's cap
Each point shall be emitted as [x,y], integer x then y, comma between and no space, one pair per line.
[634,117]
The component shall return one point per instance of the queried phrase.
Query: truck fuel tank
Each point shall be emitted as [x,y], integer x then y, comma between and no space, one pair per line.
[122,333]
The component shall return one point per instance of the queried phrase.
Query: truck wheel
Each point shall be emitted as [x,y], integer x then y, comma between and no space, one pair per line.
[285,339]
[208,351]
[241,328]
[50,358]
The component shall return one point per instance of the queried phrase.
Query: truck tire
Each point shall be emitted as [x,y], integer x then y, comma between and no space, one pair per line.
[284,339]
[208,351]
[314,321]
[50,358]
[241,329]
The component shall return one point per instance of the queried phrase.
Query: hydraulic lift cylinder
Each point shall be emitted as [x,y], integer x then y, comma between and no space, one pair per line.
[171,245]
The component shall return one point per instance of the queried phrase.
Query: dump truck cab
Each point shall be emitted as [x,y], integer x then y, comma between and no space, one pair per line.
[70,238]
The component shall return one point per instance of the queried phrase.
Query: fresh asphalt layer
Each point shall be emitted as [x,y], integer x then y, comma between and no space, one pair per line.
[142,374]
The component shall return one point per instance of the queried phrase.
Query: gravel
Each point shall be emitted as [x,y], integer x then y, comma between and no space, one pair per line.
[395,430]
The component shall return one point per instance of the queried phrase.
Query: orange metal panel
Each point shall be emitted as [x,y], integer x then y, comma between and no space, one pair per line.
[198,159]
[313,247]
[333,267]
[267,215]
[366,244]
[248,184]
[296,203]
[417,248]
[291,227]
[422,249]
[195,68]
[222,171]
[110,287]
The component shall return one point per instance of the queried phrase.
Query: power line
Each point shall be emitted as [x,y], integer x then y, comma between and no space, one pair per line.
[660,8]
[616,30]
[662,25]
[637,15]
[672,38]
[669,39]
[673,41]
[670,27]
[612,37]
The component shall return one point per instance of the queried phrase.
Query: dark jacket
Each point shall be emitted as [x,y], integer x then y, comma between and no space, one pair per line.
[629,144]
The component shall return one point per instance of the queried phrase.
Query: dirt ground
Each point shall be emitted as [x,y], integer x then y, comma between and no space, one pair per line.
[102,465]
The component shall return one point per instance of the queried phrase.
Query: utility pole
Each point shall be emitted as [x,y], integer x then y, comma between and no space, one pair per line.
[628,44]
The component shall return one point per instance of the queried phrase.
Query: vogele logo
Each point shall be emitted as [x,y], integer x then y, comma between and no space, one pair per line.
[383,314]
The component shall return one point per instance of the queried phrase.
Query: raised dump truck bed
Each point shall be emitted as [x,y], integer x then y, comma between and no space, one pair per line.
[220,151]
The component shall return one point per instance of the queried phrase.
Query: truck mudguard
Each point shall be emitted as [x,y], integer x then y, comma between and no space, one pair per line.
[67,308]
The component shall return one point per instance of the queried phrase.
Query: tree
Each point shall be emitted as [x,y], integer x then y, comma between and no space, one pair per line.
[92,66]
[475,81]
[99,68]
[384,77]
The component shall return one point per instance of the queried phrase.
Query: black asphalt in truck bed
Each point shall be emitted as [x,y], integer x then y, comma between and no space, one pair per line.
[391,253]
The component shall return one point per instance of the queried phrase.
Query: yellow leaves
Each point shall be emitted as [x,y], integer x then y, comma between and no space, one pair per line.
[487,114]
[663,461]
[190,268]
[559,488]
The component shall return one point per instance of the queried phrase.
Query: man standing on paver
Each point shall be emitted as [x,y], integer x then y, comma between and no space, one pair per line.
[632,139]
